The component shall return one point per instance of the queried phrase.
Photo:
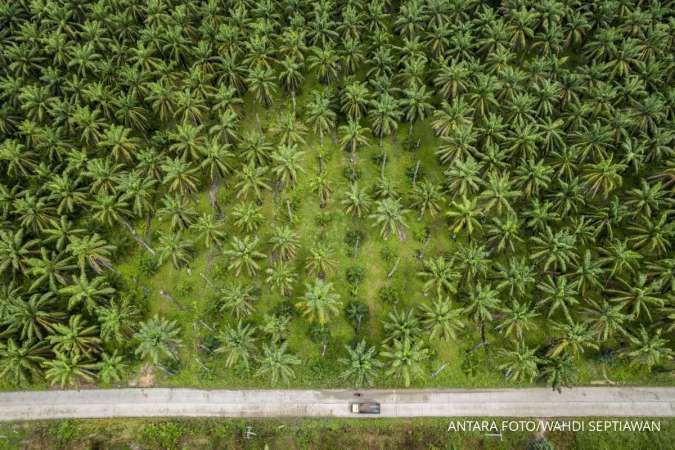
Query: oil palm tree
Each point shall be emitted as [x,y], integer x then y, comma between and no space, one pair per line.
[464,176]
[32,318]
[452,78]
[499,193]
[465,216]
[324,60]
[261,83]
[320,261]
[554,250]
[518,275]
[405,359]
[361,364]
[237,343]
[459,143]
[15,251]
[157,338]
[215,161]
[180,176]
[560,372]
[575,338]
[449,116]
[638,295]
[117,320]
[426,198]
[49,269]
[473,261]
[619,258]
[210,231]
[416,104]
[119,142]
[243,254]
[88,292]
[291,76]
[483,302]
[238,299]
[255,148]
[277,363]
[520,364]
[319,114]
[440,276]
[285,242]
[321,186]
[109,210]
[353,136]
[188,141]
[653,235]
[389,214]
[275,326]
[441,320]
[289,129]
[319,302]
[111,367]
[505,233]
[355,100]
[281,276]
[69,370]
[356,201]
[518,319]
[247,217]
[175,247]
[226,129]
[384,115]
[560,294]
[176,208]
[75,338]
[357,313]
[648,349]
[401,324]
[20,363]
[252,180]
[603,177]
[287,164]
[605,320]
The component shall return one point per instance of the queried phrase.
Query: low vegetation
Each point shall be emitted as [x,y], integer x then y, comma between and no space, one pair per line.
[302,434]
[321,193]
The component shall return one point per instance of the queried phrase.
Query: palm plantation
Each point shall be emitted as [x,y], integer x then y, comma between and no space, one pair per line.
[336,193]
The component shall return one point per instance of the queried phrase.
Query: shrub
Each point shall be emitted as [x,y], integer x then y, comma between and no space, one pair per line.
[410,172]
[387,254]
[540,443]
[66,431]
[389,294]
[351,238]
[355,275]
[378,158]
[285,308]
[184,288]
[148,265]
[352,173]
[165,435]
[323,218]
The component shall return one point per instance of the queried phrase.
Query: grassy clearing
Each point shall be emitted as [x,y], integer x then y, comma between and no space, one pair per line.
[387,264]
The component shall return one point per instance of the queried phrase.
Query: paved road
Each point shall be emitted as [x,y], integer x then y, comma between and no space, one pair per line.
[157,402]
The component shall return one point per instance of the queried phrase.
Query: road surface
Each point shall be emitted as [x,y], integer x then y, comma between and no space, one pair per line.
[159,402]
